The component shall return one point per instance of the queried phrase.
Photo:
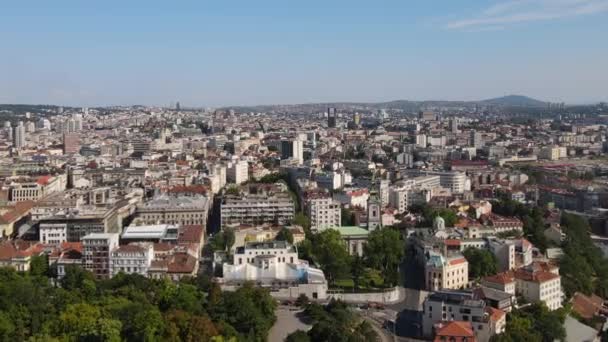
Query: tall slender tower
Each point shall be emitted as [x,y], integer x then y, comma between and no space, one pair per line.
[374,207]
[331,117]
[19,136]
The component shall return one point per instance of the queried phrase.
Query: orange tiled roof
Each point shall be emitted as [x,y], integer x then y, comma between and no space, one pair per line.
[456,329]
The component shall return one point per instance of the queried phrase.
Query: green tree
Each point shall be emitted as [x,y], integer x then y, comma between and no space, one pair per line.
[348,218]
[39,265]
[222,241]
[285,235]
[481,262]
[84,322]
[329,252]
[298,336]
[6,327]
[357,270]
[302,220]
[384,251]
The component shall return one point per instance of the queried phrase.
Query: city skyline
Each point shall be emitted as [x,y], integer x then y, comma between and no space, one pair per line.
[70,53]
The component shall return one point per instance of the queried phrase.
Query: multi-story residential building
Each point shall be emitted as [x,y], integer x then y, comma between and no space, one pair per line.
[71,143]
[237,172]
[538,282]
[181,210]
[17,254]
[277,208]
[13,215]
[97,249]
[456,182]
[445,273]
[34,189]
[53,233]
[84,220]
[353,197]
[293,149]
[505,224]
[446,306]
[134,258]
[275,265]
[19,135]
[323,211]
[550,153]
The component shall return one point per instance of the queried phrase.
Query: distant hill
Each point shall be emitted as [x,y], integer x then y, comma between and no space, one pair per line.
[515,101]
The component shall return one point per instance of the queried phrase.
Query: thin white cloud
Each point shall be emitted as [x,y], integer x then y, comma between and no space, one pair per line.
[520,11]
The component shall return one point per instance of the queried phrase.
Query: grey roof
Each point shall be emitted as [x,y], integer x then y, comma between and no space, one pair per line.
[577,331]
[493,294]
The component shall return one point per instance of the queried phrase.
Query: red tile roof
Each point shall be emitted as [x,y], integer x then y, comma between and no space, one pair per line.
[457,329]
[458,261]
[190,233]
[495,314]
[500,278]
[586,306]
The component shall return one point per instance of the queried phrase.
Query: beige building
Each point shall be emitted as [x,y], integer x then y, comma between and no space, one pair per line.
[181,210]
[446,273]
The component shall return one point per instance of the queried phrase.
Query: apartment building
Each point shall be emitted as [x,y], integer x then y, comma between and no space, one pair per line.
[181,210]
[134,258]
[237,172]
[254,209]
[447,306]
[323,211]
[538,282]
[97,249]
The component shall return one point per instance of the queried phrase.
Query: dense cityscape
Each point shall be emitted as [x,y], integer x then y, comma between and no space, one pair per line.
[304,171]
[445,221]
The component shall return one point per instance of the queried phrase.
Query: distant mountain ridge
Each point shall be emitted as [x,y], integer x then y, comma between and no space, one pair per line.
[505,101]
[515,101]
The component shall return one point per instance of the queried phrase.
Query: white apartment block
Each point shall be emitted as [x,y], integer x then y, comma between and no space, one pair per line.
[324,212]
[539,282]
[53,233]
[257,209]
[540,286]
[237,172]
[134,258]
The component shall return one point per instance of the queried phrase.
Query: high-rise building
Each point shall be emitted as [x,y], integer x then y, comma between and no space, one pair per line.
[71,143]
[454,125]
[357,119]
[476,139]
[238,172]
[293,149]
[9,130]
[97,249]
[331,117]
[30,127]
[77,122]
[177,106]
[421,140]
[19,136]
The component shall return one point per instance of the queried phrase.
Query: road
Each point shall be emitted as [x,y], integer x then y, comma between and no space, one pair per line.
[287,322]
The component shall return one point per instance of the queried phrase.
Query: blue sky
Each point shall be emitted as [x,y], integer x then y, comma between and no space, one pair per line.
[212,53]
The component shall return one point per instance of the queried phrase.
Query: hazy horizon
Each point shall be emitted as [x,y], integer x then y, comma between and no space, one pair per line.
[202,54]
